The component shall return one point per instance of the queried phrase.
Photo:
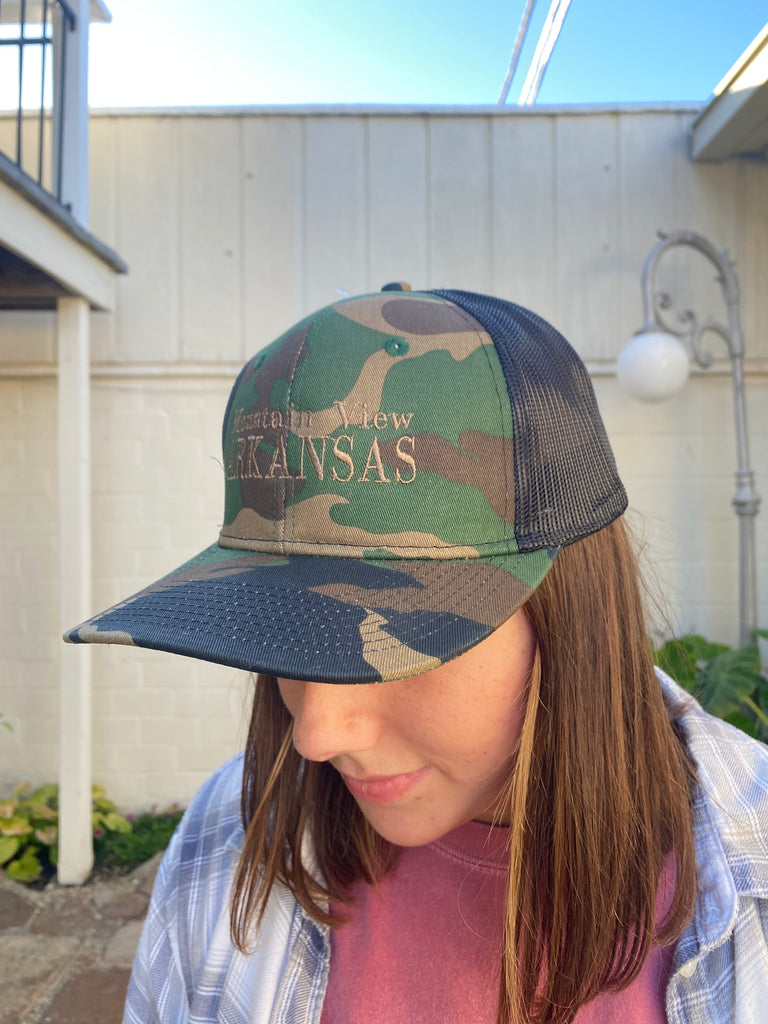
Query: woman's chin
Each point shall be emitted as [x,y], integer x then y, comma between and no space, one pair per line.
[407,826]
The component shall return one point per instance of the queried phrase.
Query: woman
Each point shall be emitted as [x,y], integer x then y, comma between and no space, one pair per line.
[466,794]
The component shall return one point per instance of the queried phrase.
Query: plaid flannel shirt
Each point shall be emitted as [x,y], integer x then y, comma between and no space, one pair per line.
[187,972]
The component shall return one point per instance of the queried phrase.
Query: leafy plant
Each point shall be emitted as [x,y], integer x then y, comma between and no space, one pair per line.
[117,852]
[5,723]
[731,683]
[29,828]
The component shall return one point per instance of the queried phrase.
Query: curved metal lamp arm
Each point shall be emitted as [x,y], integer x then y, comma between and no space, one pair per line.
[745,501]
[655,302]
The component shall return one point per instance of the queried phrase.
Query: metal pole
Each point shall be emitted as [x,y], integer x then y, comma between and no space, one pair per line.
[745,501]
[22,43]
[543,53]
[519,40]
[41,125]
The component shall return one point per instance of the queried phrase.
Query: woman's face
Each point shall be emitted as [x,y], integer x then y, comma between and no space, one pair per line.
[421,756]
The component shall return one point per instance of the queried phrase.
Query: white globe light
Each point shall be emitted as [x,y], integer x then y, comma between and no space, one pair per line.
[653,366]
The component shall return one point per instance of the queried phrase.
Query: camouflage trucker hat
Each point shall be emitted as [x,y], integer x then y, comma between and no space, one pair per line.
[401,469]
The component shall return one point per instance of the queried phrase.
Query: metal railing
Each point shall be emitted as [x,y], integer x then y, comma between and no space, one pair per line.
[55,16]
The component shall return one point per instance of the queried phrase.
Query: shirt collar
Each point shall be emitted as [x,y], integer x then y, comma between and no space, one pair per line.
[730,800]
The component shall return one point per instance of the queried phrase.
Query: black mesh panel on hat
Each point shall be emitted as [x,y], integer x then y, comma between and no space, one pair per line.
[566,483]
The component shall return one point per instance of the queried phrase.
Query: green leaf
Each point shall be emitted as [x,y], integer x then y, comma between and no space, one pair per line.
[741,721]
[117,823]
[47,794]
[9,847]
[25,869]
[8,808]
[706,650]
[728,678]
[16,826]
[103,805]
[43,813]
[760,716]
[47,836]
[762,691]
[685,657]
[678,660]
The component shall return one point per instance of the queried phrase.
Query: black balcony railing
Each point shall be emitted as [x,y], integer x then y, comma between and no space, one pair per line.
[35,82]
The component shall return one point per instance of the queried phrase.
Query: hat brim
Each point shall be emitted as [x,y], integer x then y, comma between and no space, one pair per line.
[320,618]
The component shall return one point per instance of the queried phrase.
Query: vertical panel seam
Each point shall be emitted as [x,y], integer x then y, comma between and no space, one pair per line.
[366,219]
[554,129]
[179,164]
[120,292]
[241,235]
[490,205]
[114,319]
[429,283]
[617,227]
[303,259]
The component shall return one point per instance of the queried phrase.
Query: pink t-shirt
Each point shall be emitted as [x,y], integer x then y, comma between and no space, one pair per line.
[426,948]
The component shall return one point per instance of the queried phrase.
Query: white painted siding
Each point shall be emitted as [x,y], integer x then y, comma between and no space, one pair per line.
[235,225]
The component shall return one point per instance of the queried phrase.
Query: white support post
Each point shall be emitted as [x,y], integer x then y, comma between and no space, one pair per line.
[70,110]
[75,838]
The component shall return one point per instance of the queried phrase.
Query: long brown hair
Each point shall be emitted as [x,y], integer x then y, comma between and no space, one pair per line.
[598,801]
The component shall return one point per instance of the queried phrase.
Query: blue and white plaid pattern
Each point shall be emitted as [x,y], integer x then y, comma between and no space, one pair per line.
[187,972]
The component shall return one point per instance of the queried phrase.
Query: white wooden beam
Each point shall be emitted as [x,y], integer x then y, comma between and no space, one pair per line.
[37,238]
[735,121]
[10,11]
[75,837]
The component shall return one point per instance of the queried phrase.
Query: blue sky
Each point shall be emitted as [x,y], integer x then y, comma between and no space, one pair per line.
[178,53]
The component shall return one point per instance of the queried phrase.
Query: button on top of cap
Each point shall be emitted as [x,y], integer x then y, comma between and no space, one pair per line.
[397,286]
[396,346]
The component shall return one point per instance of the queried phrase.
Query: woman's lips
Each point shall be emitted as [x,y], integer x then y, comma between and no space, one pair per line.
[383,789]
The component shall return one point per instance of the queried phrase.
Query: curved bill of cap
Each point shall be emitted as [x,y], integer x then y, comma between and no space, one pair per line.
[320,618]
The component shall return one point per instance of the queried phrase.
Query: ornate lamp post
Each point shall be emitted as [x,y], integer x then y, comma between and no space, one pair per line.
[654,365]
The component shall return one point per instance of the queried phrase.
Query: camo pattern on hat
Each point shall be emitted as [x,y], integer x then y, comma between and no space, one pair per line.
[400,472]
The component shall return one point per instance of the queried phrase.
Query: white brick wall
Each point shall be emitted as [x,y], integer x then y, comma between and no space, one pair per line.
[160,724]
[166,722]
[678,461]
[29,595]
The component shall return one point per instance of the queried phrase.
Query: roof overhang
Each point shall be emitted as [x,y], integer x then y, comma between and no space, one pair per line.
[10,12]
[735,121]
[45,253]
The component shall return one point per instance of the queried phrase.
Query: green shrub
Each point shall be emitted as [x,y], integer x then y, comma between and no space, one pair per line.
[117,852]
[730,683]
[29,829]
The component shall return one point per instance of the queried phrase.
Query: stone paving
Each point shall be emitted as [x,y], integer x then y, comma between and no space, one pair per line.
[66,953]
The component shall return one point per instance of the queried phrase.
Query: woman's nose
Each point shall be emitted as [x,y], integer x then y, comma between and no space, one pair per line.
[331,719]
